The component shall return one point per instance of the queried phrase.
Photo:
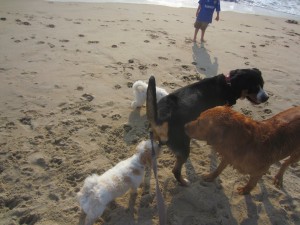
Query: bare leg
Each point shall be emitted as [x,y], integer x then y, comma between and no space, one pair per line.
[202,35]
[180,160]
[278,179]
[211,176]
[195,34]
[249,186]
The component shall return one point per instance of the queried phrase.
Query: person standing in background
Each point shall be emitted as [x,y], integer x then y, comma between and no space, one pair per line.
[204,16]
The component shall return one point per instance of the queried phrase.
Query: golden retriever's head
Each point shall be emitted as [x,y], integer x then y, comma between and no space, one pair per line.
[210,125]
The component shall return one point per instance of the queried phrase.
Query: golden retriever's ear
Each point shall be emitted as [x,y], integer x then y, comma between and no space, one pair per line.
[216,136]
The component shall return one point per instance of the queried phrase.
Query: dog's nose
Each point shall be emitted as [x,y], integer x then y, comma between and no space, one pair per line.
[262,96]
[265,98]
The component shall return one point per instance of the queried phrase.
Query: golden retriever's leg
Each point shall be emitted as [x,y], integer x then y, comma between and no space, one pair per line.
[249,186]
[211,176]
[278,179]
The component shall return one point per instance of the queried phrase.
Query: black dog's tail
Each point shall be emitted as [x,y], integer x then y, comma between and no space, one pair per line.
[151,104]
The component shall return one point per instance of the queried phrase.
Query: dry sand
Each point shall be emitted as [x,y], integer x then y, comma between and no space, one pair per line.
[66,73]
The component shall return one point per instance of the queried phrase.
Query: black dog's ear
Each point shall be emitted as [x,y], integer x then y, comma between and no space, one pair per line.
[151,105]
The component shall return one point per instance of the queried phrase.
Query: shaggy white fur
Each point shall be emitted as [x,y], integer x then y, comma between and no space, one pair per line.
[140,92]
[98,191]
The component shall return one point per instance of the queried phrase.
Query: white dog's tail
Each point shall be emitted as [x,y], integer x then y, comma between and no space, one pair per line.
[85,193]
[139,86]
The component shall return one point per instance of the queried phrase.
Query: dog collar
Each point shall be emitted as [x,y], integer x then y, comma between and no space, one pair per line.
[227,79]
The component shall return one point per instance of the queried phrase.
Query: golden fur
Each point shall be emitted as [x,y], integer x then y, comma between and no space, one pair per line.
[249,146]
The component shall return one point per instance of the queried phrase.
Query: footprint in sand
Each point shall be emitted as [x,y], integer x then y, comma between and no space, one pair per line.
[87,97]
[50,25]
[26,121]
[51,45]
[117,86]
[143,67]
[79,88]
[116,117]
[22,23]
[186,67]
[128,75]
[162,58]
[93,42]
[64,40]
[246,112]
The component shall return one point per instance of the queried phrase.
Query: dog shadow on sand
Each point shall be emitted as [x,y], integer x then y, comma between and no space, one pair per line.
[203,62]
[202,202]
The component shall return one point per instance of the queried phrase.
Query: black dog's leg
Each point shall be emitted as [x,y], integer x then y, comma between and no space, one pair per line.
[180,160]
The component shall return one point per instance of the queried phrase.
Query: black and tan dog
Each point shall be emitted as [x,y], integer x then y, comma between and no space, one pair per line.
[172,112]
[249,146]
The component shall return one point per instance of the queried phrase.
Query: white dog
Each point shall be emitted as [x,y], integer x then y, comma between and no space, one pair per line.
[140,92]
[98,191]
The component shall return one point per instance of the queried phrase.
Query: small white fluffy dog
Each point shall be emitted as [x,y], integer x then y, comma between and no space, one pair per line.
[98,191]
[140,92]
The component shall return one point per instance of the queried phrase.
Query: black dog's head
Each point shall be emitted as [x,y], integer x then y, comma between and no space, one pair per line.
[248,83]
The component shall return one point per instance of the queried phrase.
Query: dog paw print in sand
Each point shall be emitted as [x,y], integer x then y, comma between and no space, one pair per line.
[87,97]
[171,85]
[189,78]
[64,40]
[20,22]
[162,58]
[186,67]
[116,117]
[117,86]
[246,112]
[26,121]
[50,25]
[93,42]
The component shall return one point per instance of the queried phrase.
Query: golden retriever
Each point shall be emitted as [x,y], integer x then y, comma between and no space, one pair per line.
[249,146]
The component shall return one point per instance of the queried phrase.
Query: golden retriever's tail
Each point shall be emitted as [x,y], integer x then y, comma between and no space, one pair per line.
[151,105]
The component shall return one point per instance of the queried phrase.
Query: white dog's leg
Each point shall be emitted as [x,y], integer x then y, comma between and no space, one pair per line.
[92,216]
[132,200]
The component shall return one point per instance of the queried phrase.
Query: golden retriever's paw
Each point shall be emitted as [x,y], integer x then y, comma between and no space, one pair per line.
[243,190]
[208,177]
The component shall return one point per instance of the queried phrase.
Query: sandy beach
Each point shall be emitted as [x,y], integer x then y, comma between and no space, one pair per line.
[66,74]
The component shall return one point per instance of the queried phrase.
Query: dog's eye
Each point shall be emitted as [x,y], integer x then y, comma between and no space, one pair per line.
[253,90]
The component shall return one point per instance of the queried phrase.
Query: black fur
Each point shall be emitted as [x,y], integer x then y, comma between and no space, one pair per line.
[186,104]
